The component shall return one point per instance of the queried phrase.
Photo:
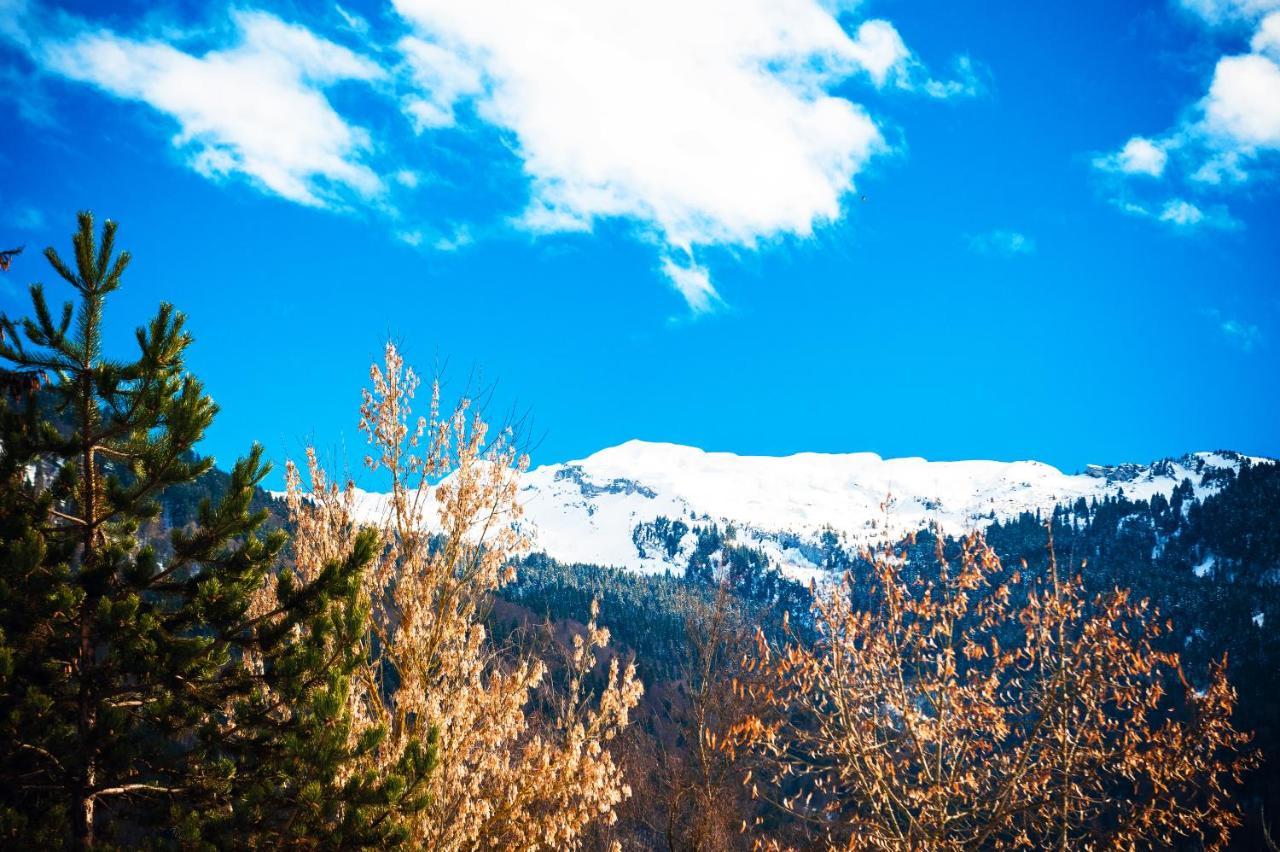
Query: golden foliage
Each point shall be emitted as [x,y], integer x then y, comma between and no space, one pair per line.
[688,790]
[505,777]
[975,708]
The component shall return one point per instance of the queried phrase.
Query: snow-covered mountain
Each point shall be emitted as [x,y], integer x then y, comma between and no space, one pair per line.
[602,509]
[589,510]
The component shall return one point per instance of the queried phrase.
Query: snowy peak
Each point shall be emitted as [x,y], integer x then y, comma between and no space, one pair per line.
[598,509]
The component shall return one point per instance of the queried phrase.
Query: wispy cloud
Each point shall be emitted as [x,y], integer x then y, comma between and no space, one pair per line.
[456,239]
[694,284]
[1224,135]
[965,84]
[1002,243]
[451,239]
[1242,334]
[1181,214]
[353,22]
[20,84]
[1139,156]
[24,89]
[1225,12]
[1239,333]
[254,108]
[23,217]
[440,78]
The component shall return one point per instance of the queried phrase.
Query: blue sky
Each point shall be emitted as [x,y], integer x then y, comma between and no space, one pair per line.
[948,229]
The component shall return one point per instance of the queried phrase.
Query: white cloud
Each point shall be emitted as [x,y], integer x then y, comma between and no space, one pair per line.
[693,283]
[459,238]
[354,22]
[966,84]
[879,49]
[255,108]
[881,52]
[1003,243]
[1180,212]
[1220,139]
[1267,38]
[709,120]
[1222,167]
[408,178]
[1139,156]
[1219,12]
[455,239]
[1242,109]
[708,123]
[440,78]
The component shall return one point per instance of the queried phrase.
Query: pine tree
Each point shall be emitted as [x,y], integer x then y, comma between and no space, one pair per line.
[300,747]
[138,684]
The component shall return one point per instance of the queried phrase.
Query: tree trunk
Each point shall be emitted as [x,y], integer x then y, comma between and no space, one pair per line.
[84,812]
[83,804]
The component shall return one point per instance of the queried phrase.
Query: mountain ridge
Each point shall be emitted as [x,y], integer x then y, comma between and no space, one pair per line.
[605,509]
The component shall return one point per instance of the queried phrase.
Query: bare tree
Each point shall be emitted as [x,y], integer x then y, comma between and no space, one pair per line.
[980,708]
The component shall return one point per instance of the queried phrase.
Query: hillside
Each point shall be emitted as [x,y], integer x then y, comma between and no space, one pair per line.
[637,505]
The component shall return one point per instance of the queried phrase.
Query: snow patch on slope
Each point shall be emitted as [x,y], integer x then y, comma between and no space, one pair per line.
[588,510]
